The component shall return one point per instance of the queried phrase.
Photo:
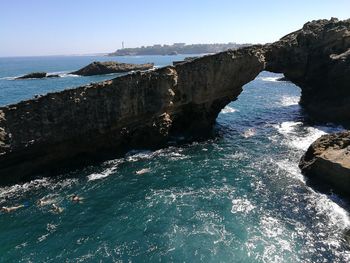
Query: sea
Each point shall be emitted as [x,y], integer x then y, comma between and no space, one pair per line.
[238,196]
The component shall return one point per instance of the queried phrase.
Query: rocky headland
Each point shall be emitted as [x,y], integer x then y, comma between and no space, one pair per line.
[144,109]
[100,68]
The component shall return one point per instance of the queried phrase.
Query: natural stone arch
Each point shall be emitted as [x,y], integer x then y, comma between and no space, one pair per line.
[143,109]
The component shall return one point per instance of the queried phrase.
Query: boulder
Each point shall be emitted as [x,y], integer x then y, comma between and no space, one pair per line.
[327,161]
[100,68]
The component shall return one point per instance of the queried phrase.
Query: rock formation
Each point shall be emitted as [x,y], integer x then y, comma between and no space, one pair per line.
[328,160]
[38,75]
[138,110]
[100,68]
[143,109]
[317,59]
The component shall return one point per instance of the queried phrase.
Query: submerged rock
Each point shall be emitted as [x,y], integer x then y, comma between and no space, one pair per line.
[38,75]
[34,75]
[283,79]
[100,68]
[327,161]
[53,76]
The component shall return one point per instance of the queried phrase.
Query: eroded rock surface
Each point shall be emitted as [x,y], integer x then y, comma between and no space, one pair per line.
[143,109]
[138,110]
[100,68]
[328,160]
[317,59]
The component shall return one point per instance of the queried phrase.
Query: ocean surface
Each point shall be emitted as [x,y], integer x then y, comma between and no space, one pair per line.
[238,197]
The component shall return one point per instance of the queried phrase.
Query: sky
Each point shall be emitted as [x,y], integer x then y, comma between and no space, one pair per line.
[63,27]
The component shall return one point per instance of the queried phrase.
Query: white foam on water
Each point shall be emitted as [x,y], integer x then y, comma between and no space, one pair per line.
[271,226]
[228,109]
[337,216]
[249,133]
[185,196]
[287,127]
[274,238]
[143,171]
[65,75]
[105,173]
[136,155]
[20,189]
[237,156]
[295,138]
[61,74]
[9,78]
[241,205]
[172,153]
[333,220]
[271,79]
[289,100]
[291,168]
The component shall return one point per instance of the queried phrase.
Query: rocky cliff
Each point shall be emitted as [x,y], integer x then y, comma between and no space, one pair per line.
[143,109]
[317,59]
[328,161]
[138,110]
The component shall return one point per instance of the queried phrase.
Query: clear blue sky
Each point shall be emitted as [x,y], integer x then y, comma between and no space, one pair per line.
[50,27]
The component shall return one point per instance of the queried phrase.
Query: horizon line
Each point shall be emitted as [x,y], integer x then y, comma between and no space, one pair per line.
[105,53]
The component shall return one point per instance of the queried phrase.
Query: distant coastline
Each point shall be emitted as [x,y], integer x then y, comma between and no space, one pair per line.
[176,48]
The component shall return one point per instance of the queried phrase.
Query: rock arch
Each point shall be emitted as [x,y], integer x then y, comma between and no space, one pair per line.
[143,109]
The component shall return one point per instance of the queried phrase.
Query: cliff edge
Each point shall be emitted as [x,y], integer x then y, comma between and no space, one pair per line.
[317,59]
[144,109]
[102,120]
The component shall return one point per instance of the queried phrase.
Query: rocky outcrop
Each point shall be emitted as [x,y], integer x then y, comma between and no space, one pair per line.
[102,120]
[100,68]
[144,109]
[38,75]
[317,59]
[328,161]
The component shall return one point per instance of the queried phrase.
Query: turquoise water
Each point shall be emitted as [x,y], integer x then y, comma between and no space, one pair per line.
[238,197]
